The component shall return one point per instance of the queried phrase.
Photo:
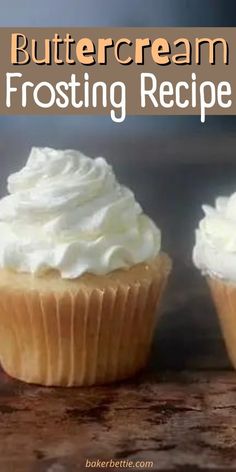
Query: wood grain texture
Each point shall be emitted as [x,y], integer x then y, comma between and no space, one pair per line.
[179,421]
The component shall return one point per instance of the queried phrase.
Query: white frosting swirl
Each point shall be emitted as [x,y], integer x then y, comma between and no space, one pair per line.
[67,212]
[215,249]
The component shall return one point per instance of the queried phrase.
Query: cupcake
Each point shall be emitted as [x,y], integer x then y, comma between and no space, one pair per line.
[81,273]
[215,255]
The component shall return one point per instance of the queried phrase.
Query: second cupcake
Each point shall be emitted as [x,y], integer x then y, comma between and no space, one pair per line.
[215,255]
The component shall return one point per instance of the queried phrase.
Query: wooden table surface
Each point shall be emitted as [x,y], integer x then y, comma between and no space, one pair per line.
[179,421]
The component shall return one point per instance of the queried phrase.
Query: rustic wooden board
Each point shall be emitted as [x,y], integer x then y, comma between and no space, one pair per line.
[176,420]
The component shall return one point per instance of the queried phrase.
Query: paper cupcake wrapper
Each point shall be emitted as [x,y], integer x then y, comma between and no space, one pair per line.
[79,338]
[224,296]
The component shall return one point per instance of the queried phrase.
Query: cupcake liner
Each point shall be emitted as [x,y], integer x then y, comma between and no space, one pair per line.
[83,335]
[224,297]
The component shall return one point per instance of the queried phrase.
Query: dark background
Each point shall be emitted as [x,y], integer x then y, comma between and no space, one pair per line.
[174,164]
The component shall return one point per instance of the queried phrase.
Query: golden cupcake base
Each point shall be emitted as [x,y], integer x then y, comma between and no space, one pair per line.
[92,330]
[224,296]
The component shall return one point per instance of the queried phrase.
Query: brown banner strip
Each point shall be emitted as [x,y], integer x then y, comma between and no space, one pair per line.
[118,71]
